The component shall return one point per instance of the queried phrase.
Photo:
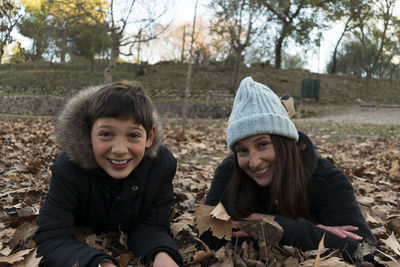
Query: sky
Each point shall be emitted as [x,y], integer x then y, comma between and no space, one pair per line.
[317,59]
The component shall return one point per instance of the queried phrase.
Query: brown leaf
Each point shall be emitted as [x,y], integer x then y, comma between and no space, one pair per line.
[124,259]
[16,257]
[205,221]
[199,256]
[263,229]
[394,170]
[321,247]
[219,212]
[29,261]
[392,243]
[22,235]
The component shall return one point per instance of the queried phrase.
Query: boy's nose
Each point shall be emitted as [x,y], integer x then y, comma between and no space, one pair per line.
[119,147]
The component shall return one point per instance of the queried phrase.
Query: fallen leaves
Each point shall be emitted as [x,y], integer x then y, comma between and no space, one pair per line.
[27,150]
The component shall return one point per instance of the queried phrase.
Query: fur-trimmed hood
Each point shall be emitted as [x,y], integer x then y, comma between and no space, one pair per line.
[73,133]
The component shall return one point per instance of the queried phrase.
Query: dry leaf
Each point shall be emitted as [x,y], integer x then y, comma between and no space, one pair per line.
[16,257]
[321,247]
[199,256]
[392,243]
[219,212]
[219,228]
[394,170]
[263,229]
[29,261]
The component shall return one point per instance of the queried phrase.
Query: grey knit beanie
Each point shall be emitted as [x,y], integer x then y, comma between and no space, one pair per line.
[257,110]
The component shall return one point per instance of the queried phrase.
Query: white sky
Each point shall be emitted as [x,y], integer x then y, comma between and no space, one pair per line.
[184,12]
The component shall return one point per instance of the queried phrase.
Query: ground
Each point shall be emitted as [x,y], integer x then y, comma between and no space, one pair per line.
[354,139]
[360,114]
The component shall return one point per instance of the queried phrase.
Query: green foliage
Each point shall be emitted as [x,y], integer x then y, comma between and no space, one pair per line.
[34,25]
[9,15]
[89,40]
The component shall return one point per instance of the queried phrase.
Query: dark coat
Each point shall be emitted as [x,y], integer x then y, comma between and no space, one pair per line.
[83,194]
[333,203]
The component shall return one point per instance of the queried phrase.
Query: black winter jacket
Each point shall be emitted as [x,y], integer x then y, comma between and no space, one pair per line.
[333,203]
[83,194]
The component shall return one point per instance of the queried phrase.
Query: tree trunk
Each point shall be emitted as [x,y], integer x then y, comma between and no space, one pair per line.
[278,52]
[63,47]
[334,59]
[189,74]
[112,63]
[183,44]
[236,68]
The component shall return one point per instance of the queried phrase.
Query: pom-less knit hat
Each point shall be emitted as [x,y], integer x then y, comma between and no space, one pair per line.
[257,110]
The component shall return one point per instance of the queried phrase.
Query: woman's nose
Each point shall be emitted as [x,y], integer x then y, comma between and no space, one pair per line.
[254,160]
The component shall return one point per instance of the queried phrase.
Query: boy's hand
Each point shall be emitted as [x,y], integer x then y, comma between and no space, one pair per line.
[162,259]
[342,231]
[106,264]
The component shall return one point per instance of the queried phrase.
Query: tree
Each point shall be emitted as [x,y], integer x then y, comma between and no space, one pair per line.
[34,25]
[352,12]
[235,21]
[89,40]
[66,16]
[189,72]
[385,18]
[140,16]
[296,19]
[9,16]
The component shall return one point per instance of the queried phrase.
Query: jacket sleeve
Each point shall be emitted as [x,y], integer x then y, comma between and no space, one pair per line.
[222,175]
[55,239]
[334,204]
[152,234]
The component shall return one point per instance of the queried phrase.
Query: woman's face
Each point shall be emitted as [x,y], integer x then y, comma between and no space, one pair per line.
[256,157]
[119,145]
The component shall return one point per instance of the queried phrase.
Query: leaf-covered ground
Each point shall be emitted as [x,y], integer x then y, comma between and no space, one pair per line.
[369,155]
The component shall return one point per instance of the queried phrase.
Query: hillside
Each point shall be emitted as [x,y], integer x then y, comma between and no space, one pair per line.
[210,86]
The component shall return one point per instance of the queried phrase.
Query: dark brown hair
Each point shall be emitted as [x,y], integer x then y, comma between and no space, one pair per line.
[287,194]
[121,100]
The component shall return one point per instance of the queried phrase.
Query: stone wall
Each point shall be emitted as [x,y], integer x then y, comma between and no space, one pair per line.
[51,105]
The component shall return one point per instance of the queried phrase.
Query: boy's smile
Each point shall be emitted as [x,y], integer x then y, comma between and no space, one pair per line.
[119,145]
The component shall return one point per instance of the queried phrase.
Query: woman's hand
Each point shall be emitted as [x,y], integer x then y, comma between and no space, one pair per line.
[252,217]
[342,231]
[162,259]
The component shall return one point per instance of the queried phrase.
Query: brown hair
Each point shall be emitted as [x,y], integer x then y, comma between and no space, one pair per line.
[121,100]
[287,194]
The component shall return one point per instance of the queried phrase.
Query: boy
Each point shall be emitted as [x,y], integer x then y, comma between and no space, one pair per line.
[113,175]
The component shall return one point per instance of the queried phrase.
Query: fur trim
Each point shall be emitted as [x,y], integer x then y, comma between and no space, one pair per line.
[73,133]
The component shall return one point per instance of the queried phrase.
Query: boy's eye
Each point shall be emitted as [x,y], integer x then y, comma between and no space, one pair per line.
[105,134]
[134,135]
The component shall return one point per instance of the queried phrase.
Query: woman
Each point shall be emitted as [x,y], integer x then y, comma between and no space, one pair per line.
[274,172]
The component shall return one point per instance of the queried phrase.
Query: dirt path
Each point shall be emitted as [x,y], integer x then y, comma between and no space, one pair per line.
[358,114]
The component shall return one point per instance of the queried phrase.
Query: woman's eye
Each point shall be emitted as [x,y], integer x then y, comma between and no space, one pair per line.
[263,144]
[241,151]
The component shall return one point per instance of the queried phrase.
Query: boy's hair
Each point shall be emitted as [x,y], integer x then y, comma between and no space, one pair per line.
[121,100]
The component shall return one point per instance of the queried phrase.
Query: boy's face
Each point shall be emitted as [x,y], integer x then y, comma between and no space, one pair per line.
[119,145]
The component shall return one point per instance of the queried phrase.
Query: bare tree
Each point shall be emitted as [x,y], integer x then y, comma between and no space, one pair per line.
[353,12]
[380,26]
[189,72]
[296,19]
[128,23]
[9,16]
[234,20]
